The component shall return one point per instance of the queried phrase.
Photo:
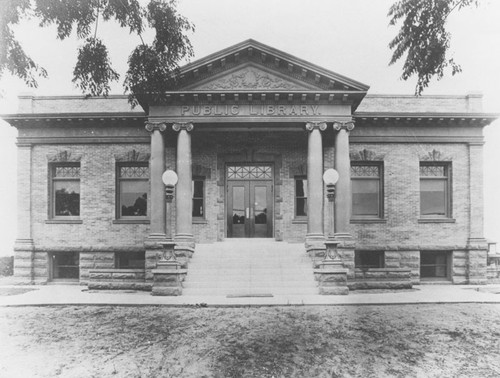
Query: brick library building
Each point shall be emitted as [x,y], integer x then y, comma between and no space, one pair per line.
[264,154]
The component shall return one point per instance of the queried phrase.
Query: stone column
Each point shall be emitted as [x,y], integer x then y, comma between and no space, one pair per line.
[184,197]
[24,246]
[153,246]
[343,200]
[315,234]
[477,244]
[157,167]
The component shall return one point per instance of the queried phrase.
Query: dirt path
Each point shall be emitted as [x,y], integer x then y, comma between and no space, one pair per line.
[365,341]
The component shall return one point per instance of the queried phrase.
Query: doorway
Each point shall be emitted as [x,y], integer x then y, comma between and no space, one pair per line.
[250,202]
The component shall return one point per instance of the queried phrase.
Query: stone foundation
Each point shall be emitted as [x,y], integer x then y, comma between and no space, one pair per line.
[382,278]
[118,279]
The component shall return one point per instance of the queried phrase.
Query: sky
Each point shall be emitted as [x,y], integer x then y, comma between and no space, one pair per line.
[349,37]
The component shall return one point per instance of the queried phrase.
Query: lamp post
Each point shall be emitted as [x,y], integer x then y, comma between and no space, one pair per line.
[330,178]
[170,179]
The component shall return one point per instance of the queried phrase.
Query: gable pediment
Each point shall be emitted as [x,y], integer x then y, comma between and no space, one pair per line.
[253,66]
[250,77]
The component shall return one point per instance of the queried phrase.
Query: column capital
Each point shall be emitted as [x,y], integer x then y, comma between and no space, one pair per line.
[310,126]
[178,126]
[348,126]
[152,126]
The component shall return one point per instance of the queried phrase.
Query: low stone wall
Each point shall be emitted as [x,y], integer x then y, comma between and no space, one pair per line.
[381,278]
[118,279]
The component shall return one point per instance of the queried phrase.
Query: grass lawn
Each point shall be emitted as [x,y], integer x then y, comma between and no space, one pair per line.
[456,340]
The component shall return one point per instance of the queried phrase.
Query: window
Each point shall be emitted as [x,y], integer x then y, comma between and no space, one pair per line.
[65,191]
[132,193]
[130,260]
[435,190]
[65,265]
[367,196]
[434,264]
[199,197]
[300,196]
[368,259]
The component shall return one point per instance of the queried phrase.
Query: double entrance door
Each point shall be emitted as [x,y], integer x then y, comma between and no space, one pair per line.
[249,205]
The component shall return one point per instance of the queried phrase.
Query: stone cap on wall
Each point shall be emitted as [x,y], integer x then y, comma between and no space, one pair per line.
[387,103]
[30,104]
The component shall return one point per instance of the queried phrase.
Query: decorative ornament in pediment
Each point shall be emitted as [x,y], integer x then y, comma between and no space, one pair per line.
[251,78]
[132,155]
[64,156]
[365,155]
[434,155]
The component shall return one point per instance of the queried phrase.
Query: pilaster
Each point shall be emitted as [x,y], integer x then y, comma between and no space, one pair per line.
[24,248]
[477,244]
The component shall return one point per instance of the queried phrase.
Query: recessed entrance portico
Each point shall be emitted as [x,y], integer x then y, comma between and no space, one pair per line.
[243,106]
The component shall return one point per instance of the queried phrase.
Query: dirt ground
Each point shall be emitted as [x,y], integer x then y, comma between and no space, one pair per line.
[456,340]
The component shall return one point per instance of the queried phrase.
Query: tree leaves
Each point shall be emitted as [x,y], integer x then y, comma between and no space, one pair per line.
[12,56]
[151,67]
[423,38]
[93,72]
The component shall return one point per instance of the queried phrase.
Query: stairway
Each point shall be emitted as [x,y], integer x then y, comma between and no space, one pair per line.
[250,267]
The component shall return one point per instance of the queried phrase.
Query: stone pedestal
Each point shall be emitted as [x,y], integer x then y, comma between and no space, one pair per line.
[332,280]
[168,277]
[331,274]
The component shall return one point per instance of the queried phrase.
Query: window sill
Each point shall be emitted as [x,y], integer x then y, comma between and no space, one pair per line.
[299,221]
[200,221]
[131,221]
[368,220]
[64,221]
[436,220]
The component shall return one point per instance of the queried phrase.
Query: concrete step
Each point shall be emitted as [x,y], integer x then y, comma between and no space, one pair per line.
[248,291]
[250,267]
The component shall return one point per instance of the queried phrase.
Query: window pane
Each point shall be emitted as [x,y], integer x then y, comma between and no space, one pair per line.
[301,188]
[67,198]
[369,259]
[301,207]
[65,265]
[238,205]
[260,205]
[133,198]
[433,197]
[433,264]
[130,260]
[198,188]
[365,197]
[197,207]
